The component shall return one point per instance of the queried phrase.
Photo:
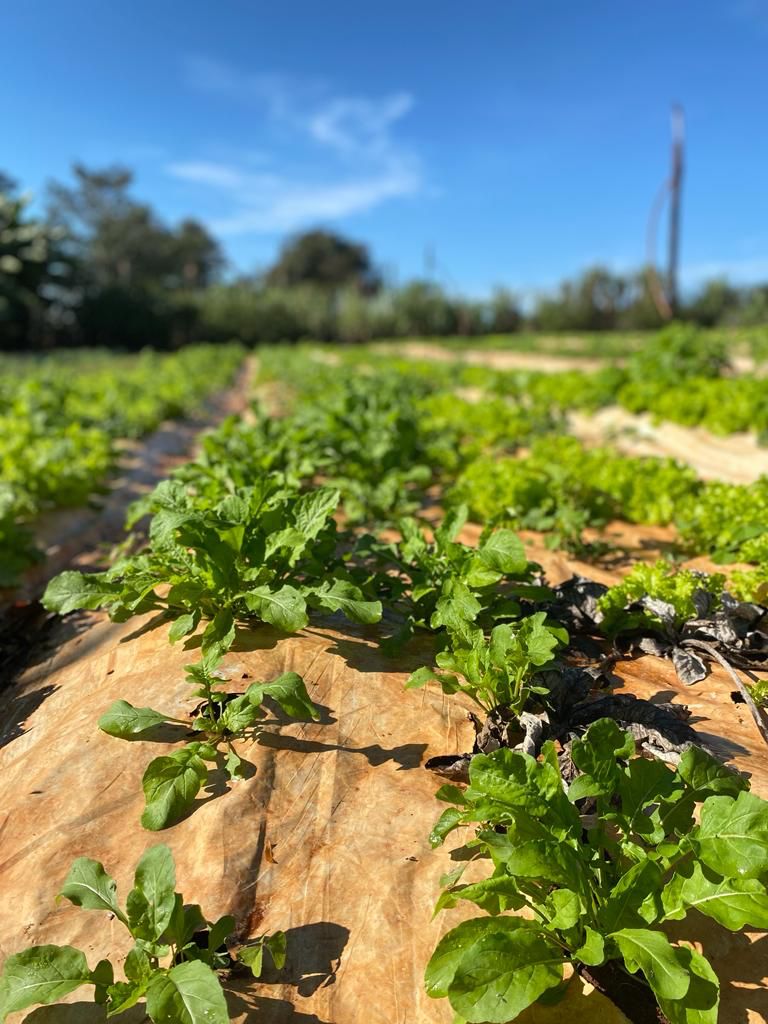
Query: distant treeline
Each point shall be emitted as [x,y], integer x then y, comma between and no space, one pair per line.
[101,268]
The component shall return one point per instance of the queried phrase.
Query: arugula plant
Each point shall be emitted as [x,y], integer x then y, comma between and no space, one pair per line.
[263,552]
[497,671]
[172,964]
[171,782]
[442,584]
[599,866]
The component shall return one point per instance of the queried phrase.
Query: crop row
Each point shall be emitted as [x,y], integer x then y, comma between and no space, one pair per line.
[283,518]
[681,375]
[508,461]
[64,416]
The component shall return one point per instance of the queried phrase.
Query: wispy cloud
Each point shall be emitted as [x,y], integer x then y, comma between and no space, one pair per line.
[345,157]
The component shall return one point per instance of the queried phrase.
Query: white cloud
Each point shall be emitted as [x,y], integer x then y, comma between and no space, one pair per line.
[269,203]
[346,156]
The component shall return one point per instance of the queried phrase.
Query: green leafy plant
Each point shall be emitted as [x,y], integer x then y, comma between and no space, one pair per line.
[497,671]
[172,964]
[264,552]
[171,782]
[441,583]
[633,603]
[599,865]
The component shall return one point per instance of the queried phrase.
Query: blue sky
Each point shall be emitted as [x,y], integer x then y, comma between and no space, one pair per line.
[518,141]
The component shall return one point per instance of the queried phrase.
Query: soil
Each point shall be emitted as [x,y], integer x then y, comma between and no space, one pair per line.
[631,993]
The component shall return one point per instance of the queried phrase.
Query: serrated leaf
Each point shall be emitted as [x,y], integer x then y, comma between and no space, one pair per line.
[504,552]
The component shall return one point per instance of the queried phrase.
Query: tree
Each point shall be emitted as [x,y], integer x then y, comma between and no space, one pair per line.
[28,264]
[118,241]
[131,269]
[326,260]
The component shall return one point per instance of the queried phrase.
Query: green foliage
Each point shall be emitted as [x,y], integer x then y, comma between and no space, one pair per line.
[680,588]
[441,583]
[561,487]
[264,552]
[598,887]
[172,964]
[172,782]
[63,419]
[498,671]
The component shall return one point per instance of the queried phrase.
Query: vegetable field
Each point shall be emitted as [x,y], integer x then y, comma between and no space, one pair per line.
[409,695]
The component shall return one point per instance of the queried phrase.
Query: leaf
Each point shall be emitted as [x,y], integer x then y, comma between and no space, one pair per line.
[122,995]
[454,944]
[253,957]
[504,552]
[41,974]
[503,973]
[592,950]
[492,895]
[219,932]
[701,1002]
[183,626]
[709,777]
[565,908]
[420,677]
[732,902]
[123,720]
[313,510]
[449,820]
[596,755]
[549,861]
[622,906]
[277,944]
[451,526]
[284,608]
[89,886]
[289,692]
[455,607]
[689,666]
[341,596]
[189,993]
[151,901]
[732,838]
[170,785]
[539,639]
[652,952]
[519,781]
[239,714]
[219,635]
[71,590]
